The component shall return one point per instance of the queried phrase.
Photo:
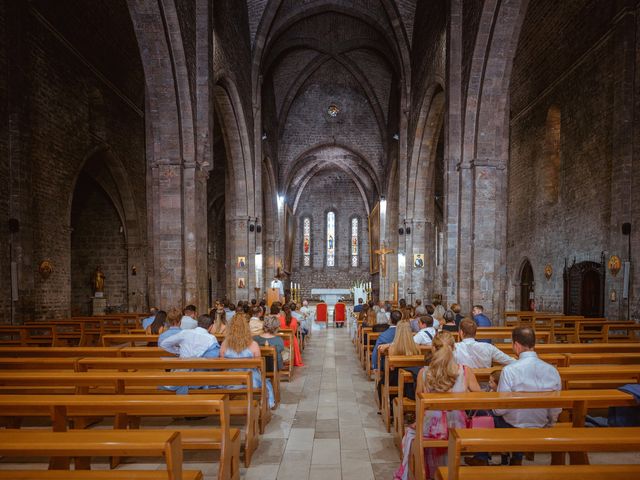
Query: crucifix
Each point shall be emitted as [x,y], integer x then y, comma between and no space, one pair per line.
[382,252]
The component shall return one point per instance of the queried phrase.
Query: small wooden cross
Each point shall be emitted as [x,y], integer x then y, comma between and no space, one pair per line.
[382,252]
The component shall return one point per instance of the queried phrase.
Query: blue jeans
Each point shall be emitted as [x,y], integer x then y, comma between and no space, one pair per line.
[212,352]
[500,422]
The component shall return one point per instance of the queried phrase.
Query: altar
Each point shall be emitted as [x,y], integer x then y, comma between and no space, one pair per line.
[330,296]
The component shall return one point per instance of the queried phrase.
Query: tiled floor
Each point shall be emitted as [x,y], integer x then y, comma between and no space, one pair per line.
[327,427]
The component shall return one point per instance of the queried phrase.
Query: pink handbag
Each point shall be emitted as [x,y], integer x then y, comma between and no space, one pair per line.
[480,421]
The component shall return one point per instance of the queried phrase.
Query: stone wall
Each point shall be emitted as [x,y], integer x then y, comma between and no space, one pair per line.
[330,191]
[96,239]
[574,208]
[76,86]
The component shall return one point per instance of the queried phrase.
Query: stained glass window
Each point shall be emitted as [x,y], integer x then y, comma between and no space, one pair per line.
[306,242]
[354,242]
[331,239]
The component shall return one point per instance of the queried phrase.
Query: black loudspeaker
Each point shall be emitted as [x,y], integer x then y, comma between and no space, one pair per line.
[14,225]
[626,228]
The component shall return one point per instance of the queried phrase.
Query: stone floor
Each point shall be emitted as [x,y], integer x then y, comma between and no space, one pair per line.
[326,428]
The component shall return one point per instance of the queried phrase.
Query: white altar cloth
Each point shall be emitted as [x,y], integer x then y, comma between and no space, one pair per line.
[330,296]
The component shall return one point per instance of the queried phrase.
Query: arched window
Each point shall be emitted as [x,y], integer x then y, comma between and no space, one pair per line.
[331,239]
[306,242]
[354,242]
[551,165]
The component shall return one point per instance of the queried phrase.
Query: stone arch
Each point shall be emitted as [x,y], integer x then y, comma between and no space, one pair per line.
[236,138]
[264,33]
[420,172]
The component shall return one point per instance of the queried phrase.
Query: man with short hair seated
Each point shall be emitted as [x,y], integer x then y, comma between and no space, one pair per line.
[189,318]
[527,374]
[173,318]
[477,354]
[427,333]
[386,337]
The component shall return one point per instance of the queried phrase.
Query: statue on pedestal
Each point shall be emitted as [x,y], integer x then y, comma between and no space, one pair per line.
[97,282]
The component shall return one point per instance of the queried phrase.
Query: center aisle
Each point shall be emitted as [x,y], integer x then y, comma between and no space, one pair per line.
[327,426]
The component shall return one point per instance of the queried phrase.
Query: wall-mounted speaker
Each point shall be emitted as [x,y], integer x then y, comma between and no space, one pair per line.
[626,228]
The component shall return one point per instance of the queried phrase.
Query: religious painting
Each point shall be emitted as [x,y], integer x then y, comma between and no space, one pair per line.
[418,260]
[548,271]
[289,237]
[374,239]
[615,264]
[242,283]
[242,262]
[45,269]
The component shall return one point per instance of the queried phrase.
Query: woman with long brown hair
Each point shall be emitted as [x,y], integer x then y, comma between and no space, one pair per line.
[159,324]
[442,374]
[239,343]
[288,321]
[402,345]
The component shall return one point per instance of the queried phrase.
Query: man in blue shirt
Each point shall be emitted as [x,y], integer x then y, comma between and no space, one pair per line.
[386,337]
[173,317]
[149,320]
[358,308]
[479,317]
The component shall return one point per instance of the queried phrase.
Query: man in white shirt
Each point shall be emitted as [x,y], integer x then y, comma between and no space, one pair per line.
[192,343]
[188,320]
[427,333]
[476,354]
[527,374]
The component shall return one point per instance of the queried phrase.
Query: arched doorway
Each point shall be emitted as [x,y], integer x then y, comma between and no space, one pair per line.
[526,287]
[584,289]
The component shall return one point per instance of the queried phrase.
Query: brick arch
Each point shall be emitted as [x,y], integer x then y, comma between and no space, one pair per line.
[264,34]
[123,198]
[236,137]
[420,171]
[169,113]
[486,120]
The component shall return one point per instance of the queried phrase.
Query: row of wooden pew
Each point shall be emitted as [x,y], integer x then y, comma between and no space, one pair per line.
[576,329]
[75,386]
[590,373]
[74,331]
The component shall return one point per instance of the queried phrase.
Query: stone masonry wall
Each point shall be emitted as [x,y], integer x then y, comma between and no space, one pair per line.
[566,60]
[96,240]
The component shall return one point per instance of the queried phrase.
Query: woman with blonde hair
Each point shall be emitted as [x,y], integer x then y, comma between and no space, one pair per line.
[239,343]
[442,375]
[402,345]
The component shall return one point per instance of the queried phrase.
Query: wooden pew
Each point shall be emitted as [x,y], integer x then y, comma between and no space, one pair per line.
[545,472]
[272,374]
[131,339]
[62,408]
[172,363]
[578,348]
[538,440]
[395,362]
[602,358]
[577,401]
[287,335]
[584,376]
[26,335]
[65,332]
[143,382]
[372,338]
[59,352]
[87,443]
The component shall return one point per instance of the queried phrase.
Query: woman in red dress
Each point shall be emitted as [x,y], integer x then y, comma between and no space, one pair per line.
[288,321]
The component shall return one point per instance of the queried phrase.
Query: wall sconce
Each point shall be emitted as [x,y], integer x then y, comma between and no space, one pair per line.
[264,135]
[280,201]
[396,136]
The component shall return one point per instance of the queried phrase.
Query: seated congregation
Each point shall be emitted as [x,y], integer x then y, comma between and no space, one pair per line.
[233,358]
[439,374]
